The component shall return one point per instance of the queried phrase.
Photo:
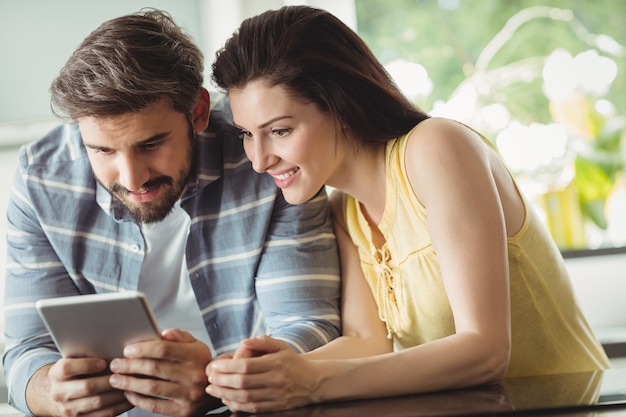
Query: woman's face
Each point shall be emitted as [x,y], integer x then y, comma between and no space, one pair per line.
[291,140]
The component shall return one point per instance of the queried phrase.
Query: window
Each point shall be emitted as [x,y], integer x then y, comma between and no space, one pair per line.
[544,82]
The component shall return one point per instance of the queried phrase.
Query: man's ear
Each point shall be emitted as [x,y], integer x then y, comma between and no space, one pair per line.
[201,111]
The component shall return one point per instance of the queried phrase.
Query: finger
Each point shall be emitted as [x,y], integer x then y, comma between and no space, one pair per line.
[265,344]
[256,407]
[253,407]
[251,401]
[178,335]
[159,388]
[111,410]
[80,388]
[270,379]
[227,355]
[254,365]
[169,407]
[152,404]
[69,368]
[170,350]
[149,349]
[145,386]
[111,400]
[184,374]
[224,356]
[243,352]
[153,368]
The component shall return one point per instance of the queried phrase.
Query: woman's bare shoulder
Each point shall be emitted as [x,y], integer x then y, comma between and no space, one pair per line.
[440,128]
[446,139]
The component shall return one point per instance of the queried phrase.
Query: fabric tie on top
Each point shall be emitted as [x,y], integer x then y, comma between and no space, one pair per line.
[388,291]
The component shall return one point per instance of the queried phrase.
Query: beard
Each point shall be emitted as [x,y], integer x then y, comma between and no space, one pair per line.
[154,211]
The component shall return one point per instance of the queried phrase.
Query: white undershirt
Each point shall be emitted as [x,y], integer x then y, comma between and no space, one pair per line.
[164,277]
[165,281]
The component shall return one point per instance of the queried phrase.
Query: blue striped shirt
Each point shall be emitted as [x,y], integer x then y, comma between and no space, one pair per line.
[256,263]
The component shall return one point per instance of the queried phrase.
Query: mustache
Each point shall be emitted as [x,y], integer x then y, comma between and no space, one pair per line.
[147,186]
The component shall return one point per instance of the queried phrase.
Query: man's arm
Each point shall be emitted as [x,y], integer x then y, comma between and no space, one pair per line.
[33,272]
[298,283]
[29,262]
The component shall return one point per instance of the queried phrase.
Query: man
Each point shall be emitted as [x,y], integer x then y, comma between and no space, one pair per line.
[139,193]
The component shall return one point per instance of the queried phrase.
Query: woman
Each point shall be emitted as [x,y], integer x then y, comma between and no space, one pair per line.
[450,279]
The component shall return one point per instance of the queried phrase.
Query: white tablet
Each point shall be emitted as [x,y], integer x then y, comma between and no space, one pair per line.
[98,325]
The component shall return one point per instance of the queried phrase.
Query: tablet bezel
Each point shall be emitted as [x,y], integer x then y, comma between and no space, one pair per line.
[98,325]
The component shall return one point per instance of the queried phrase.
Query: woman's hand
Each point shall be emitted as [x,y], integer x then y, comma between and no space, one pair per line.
[263,375]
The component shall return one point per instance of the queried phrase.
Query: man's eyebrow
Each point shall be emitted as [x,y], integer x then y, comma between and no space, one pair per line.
[153,138]
[92,146]
[143,142]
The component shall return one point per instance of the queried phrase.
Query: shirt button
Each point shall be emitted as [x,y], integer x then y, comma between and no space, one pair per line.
[135,248]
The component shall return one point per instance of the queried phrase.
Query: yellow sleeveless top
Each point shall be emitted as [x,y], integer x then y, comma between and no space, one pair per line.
[549,332]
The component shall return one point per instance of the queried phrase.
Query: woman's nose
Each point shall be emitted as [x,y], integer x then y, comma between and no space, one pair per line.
[260,154]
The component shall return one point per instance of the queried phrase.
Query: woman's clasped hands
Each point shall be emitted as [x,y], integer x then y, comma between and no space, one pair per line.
[263,374]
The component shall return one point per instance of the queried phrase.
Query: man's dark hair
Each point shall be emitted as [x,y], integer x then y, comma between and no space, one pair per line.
[127,64]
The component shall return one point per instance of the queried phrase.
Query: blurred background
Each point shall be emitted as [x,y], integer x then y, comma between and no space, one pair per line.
[543,80]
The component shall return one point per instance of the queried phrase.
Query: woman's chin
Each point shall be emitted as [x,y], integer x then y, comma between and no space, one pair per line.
[296,198]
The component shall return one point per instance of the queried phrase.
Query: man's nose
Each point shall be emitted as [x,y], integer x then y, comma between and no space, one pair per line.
[133,173]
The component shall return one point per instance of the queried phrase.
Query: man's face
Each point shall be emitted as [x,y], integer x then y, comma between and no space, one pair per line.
[144,159]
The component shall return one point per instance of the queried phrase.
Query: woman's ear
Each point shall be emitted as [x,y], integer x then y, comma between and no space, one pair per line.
[201,111]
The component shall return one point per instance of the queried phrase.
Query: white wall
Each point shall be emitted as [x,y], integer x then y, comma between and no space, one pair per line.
[8,164]
[600,284]
[222,21]
[37,37]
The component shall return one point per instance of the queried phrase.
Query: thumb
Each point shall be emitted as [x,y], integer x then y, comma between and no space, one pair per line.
[177,335]
[264,344]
